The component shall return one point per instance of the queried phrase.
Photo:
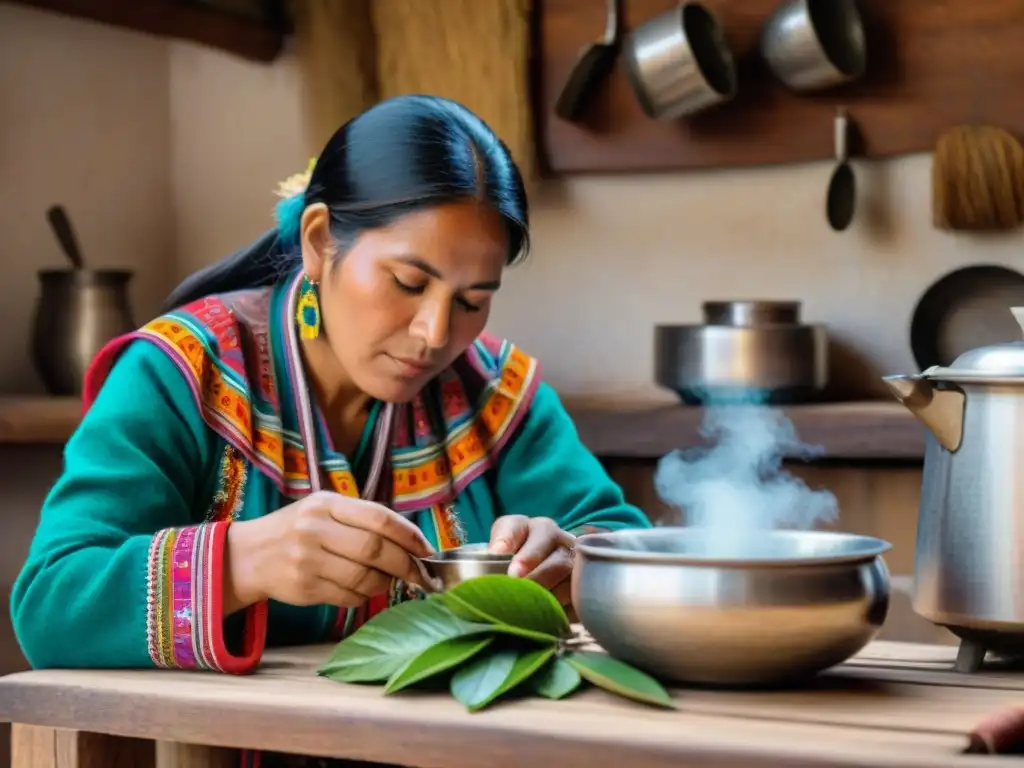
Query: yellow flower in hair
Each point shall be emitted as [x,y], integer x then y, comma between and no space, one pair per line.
[297,182]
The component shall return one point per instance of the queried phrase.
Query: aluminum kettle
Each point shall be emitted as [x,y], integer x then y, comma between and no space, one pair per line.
[969,561]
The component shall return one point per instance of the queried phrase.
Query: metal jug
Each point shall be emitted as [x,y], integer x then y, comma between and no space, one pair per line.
[969,561]
[77,312]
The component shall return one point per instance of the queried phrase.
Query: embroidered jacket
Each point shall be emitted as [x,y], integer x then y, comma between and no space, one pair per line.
[194,421]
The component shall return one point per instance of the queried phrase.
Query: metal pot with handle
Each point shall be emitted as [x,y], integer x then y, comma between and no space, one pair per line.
[969,560]
[77,312]
[679,63]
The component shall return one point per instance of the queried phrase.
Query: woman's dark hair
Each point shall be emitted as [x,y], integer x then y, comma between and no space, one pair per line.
[401,155]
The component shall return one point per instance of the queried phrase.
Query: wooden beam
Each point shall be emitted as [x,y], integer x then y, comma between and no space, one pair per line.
[165,18]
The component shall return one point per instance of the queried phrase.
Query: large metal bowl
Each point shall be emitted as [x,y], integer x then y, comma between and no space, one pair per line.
[788,605]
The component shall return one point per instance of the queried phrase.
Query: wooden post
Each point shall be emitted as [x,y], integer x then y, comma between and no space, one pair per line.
[35,746]
[170,754]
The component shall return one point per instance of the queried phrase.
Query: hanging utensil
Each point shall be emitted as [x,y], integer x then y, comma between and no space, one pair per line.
[61,226]
[811,45]
[963,310]
[978,171]
[977,179]
[842,188]
[680,63]
[591,68]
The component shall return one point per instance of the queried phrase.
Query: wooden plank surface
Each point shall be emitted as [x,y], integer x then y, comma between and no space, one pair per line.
[246,38]
[35,420]
[838,721]
[641,430]
[931,64]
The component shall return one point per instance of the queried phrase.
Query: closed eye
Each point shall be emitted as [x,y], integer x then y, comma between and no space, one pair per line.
[413,290]
[417,290]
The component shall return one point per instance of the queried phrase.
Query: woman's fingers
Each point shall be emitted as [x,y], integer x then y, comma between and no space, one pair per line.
[545,538]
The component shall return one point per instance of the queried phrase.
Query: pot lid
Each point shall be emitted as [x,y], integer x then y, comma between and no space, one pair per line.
[994,361]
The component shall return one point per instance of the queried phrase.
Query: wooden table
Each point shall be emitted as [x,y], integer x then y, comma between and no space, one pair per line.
[894,705]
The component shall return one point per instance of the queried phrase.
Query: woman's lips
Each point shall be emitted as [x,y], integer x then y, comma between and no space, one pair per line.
[411,368]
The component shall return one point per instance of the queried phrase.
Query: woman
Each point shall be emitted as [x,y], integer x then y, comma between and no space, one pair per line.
[260,464]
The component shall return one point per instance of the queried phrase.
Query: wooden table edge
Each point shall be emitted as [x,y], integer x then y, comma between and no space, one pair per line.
[480,738]
[366,726]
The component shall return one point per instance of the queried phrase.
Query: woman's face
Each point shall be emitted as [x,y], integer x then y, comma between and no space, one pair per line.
[407,299]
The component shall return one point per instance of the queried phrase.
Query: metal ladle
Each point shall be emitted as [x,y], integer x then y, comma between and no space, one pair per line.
[593,65]
[842,188]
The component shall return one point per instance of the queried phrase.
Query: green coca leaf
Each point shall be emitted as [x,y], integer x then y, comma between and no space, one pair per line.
[495,673]
[439,658]
[556,680]
[391,639]
[514,606]
[618,677]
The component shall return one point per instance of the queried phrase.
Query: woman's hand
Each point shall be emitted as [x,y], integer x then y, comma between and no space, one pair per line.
[543,551]
[325,549]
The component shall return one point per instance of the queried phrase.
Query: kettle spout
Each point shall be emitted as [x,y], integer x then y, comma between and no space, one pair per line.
[940,410]
[908,389]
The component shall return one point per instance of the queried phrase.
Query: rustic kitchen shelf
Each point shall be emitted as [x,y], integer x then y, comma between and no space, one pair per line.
[248,38]
[610,427]
[38,420]
[869,430]
[931,64]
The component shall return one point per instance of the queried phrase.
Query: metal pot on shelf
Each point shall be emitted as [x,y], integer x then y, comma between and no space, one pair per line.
[970,532]
[77,312]
[744,352]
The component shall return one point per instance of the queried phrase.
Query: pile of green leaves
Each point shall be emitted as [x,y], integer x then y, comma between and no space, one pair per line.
[485,638]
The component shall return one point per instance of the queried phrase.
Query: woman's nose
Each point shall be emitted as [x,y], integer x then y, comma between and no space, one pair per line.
[431,324]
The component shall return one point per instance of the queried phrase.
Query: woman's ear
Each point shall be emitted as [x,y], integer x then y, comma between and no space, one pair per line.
[315,237]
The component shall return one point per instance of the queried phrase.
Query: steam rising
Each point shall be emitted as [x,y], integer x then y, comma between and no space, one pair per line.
[736,486]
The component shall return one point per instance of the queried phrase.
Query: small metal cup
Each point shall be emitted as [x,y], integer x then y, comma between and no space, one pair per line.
[453,566]
[811,45]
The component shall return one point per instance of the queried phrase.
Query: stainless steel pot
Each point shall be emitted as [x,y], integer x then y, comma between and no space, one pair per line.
[688,607]
[968,566]
[814,44]
[77,312]
[679,63]
[747,352]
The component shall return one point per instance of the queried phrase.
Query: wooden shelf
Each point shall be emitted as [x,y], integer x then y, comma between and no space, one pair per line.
[25,419]
[247,38]
[930,65]
[868,430]
[610,427]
